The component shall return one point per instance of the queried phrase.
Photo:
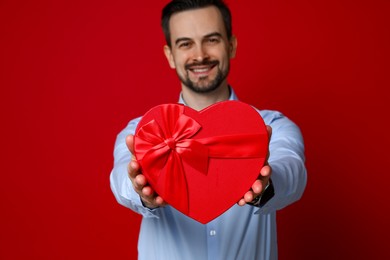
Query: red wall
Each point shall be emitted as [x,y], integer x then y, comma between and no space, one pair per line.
[73,73]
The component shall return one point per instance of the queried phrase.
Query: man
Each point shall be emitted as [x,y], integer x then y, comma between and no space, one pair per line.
[199,47]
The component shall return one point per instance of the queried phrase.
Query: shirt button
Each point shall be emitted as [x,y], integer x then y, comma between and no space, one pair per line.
[213,232]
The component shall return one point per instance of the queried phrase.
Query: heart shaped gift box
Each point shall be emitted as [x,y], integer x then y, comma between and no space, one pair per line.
[201,162]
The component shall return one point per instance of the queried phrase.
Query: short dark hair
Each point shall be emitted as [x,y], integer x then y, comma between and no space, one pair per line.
[176,6]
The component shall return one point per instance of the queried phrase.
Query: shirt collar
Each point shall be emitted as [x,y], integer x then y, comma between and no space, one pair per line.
[232,96]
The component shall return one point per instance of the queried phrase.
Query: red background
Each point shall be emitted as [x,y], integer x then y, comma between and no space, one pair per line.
[72,74]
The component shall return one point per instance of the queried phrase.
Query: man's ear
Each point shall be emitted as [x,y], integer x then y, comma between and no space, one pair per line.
[169,56]
[232,46]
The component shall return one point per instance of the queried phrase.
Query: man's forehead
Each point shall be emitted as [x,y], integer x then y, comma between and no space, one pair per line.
[196,22]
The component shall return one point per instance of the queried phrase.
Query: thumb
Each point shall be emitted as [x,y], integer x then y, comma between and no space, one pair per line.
[130,143]
[269,131]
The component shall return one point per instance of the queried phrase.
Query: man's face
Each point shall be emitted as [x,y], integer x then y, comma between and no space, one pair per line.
[200,50]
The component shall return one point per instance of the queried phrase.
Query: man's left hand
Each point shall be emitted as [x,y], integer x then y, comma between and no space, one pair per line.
[262,181]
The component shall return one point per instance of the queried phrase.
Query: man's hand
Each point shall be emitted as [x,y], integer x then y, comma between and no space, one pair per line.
[259,185]
[140,184]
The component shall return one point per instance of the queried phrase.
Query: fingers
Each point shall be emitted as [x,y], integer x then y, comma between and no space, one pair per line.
[258,186]
[262,181]
[241,202]
[133,169]
[265,172]
[247,198]
[256,189]
[141,186]
[159,201]
[139,181]
[150,198]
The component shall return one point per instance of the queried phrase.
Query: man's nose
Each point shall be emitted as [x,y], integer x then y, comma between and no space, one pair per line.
[200,53]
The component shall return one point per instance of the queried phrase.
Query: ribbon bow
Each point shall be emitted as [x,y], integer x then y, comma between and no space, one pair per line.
[161,150]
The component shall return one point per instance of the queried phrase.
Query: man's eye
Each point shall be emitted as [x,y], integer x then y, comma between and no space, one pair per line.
[184,44]
[213,40]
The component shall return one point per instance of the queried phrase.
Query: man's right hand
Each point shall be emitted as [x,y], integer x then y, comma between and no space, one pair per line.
[148,196]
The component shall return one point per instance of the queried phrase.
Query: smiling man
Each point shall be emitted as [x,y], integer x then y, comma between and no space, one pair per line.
[199,47]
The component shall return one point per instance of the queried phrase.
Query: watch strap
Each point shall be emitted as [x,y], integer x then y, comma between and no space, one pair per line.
[265,196]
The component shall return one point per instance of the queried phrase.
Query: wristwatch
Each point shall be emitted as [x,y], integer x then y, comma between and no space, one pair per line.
[265,196]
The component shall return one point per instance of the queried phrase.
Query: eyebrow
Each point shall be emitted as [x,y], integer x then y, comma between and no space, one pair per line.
[182,39]
[213,34]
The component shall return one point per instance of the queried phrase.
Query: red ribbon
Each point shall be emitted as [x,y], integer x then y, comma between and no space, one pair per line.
[164,147]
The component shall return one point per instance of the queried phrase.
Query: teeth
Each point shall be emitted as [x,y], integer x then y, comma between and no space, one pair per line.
[200,70]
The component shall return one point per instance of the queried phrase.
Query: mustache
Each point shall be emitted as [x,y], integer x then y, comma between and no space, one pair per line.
[202,63]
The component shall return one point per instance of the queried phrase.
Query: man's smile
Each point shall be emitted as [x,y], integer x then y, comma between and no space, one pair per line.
[202,69]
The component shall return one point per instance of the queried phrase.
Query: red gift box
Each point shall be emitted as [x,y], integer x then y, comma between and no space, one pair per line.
[201,162]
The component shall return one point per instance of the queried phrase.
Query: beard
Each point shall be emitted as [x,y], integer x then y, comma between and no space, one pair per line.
[202,86]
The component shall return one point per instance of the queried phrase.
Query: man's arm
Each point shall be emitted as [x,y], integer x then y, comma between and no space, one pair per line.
[124,167]
[287,161]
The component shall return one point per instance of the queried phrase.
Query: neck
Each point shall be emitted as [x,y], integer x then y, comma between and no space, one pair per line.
[199,101]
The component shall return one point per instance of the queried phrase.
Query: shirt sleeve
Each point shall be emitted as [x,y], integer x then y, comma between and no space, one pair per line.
[287,161]
[120,183]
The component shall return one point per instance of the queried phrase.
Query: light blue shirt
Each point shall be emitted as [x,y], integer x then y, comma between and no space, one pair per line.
[241,233]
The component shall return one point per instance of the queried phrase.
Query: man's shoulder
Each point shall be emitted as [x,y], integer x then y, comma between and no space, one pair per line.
[270,116]
[135,121]
[276,119]
[132,125]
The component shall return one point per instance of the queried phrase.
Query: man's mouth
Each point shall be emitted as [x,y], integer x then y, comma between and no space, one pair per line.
[202,69]
[201,72]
